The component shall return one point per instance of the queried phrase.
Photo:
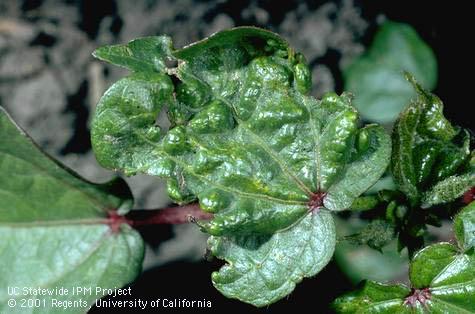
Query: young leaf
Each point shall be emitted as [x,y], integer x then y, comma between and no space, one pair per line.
[375,77]
[54,227]
[373,297]
[430,158]
[124,131]
[441,275]
[448,189]
[245,139]
[429,262]
[262,269]
[147,54]
[464,227]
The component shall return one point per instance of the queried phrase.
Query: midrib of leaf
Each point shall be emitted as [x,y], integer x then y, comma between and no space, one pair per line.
[453,286]
[97,205]
[130,56]
[456,308]
[188,170]
[335,116]
[403,149]
[290,175]
[258,140]
[94,248]
[54,223]
[265,258]
[316,140]
[231,190]
[385,302]
[111,254]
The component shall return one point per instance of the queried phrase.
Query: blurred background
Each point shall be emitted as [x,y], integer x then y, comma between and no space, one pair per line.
[50,84]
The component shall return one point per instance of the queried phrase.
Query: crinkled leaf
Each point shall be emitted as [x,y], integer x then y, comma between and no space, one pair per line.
[262,269]
[441,275]
[464,226]
[245,139]
[124,133]
[365,169]
[427,149]
[375,77]
[53,226]
[147,54]
[376,234]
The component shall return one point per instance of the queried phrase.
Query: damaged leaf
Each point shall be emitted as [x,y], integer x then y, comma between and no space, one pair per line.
[245,139]
[431,157]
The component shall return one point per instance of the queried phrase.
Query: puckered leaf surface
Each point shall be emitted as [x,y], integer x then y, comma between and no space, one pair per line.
[431,158]
[248,143]
[441,275]
[245,140]
[54,228]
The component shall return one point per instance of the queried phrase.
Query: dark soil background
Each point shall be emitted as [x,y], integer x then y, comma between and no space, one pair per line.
[50,84]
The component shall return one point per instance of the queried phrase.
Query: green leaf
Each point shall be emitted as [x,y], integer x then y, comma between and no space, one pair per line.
[55,228]
[245,139]
[464,227]
[365,169]
[451,290]
[376,234]
[375,77]
[124,132]
[449,189]
[364,203]
[430,158]
[442,281]
[373,297]
[429,262]
[262,269]
[147,54]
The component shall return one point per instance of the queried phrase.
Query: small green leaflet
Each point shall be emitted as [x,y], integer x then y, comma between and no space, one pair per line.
[54,227]
[431,158]
[441,275]
[375,77]
[141,55]
[245,139]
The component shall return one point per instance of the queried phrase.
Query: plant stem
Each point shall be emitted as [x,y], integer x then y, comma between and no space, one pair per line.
[171,215]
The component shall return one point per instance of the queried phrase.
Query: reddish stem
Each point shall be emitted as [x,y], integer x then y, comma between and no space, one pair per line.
[469,196]
[171,215]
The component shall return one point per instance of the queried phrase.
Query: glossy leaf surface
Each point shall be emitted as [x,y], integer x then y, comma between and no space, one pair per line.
[54,227]
[441,275]
[430,159]
[245,139]
[464,227]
